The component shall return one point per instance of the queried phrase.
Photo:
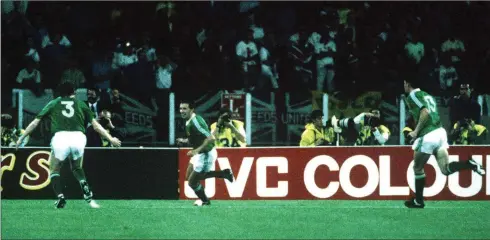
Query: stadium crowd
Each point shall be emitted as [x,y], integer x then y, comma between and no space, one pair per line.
[147,49]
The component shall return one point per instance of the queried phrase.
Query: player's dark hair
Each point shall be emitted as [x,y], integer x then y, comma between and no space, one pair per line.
[66,89]
[188,102]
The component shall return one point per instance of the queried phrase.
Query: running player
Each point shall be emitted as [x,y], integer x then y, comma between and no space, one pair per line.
[203,153]
[429,138]
[68,120]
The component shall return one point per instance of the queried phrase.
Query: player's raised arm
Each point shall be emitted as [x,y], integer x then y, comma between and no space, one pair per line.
[424,117]
[99,129]
[33,125]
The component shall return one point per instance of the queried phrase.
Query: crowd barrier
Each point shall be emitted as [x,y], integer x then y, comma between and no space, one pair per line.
[368,173]
[126,173]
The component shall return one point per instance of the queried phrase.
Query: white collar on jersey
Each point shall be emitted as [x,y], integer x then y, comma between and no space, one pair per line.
[193,115]
[414,91]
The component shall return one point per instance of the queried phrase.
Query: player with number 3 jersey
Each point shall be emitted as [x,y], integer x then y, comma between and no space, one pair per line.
[429,138]
[69,117]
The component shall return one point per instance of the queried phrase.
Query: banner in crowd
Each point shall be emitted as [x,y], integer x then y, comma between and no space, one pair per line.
[264,130]
[236,103]
[344,173]
[136,116]
[112,174]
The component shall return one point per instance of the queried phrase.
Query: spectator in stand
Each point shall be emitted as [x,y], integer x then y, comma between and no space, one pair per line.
[453,48]
[248,56]
[73,74]
[464,106]
[102,71]
[466,132]
[10,133]
[228,131]
[148,49]
[55,38]
[55,55]
[93,138]
[93,101]
[301,54]
[30,78]
[163,75]
[141,78]
[31,51]
[448,76]
[324,49]
[112,101]
[316,134]
[124,58]
[415,48]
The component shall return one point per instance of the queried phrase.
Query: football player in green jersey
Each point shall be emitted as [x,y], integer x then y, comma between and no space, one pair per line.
[203,155]
[68,120]
[429,138]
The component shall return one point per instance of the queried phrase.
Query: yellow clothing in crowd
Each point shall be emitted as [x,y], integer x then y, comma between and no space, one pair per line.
[226,137]
[312,135]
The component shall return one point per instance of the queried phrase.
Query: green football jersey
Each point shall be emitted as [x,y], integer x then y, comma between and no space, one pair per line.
[197,130]
[417,100]
[67,114]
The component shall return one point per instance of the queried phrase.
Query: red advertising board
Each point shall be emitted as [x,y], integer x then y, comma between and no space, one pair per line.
[236,102]
[369,173]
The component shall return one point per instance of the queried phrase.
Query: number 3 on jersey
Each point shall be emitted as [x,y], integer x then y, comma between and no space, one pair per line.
[431,104]
[69,111]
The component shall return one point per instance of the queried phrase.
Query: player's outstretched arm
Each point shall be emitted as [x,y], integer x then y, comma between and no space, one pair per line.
[99,129]
[33,125]
[206,141]
[424,116]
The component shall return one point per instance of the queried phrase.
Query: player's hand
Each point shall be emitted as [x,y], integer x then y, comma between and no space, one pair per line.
[18,143]
[115,142]
[192,153]
[412,135]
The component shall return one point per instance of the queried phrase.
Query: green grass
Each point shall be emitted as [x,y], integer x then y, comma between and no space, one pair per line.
[138,219]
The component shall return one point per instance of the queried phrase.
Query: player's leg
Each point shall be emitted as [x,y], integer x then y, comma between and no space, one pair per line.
[60,150]
[196,175]
[420,159]
[211,158]
[55,170]
[78,142]
[194,182]
[79,174]
[203,163]
[439,139]
[448,168]
[190,168]
[226,173]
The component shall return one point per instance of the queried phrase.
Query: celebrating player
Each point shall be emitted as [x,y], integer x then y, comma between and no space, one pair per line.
[68,120]
[203,153]
[429,138]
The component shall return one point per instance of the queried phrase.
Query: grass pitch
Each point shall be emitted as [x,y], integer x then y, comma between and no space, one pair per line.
[161,219]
